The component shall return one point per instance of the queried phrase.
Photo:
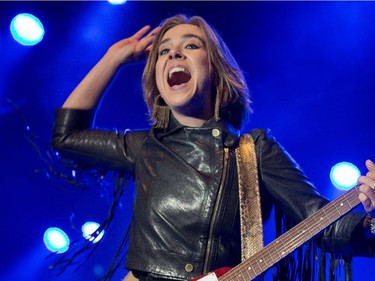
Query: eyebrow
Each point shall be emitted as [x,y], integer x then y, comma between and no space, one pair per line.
[185,36]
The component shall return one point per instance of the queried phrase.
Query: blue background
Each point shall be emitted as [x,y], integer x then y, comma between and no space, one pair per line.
[310,67]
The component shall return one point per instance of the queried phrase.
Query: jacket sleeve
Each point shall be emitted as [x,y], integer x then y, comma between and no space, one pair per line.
[290,189]
[74,138]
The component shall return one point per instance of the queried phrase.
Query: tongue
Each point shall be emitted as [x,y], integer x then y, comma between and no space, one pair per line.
[178,78]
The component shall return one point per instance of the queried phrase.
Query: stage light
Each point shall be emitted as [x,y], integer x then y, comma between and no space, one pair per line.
[27,29]
[344,175]
[117,2]
[88,229]
[56,240]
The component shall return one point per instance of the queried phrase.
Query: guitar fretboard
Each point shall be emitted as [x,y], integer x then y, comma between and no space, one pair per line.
[294,238]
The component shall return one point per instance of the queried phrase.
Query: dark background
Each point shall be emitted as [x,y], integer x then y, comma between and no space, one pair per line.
[310,67]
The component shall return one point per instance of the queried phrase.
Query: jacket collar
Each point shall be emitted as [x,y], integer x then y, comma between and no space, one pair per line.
[230,134]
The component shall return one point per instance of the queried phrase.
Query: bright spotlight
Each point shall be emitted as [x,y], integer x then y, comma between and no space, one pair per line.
[89,231]
[344,175]
[27,29]
[56,240]
[117,2]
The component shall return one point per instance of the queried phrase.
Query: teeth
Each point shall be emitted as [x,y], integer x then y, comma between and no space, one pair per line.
[176,69]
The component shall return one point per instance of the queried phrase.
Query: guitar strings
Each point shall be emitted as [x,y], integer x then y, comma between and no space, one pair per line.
[347,201]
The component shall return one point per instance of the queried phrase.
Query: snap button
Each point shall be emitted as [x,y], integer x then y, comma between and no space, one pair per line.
[189,267]
[215,132]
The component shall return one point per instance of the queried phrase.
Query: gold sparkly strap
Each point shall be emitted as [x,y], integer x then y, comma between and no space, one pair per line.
[250,212]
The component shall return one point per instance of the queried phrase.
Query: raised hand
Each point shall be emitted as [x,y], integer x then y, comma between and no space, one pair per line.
[134,47]
[90,90]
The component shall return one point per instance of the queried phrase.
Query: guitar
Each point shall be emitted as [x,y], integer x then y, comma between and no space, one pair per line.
[261,261]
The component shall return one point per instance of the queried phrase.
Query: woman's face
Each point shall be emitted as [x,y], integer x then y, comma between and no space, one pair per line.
[182,72]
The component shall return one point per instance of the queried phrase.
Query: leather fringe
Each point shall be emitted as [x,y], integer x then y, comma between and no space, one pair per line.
[309,262]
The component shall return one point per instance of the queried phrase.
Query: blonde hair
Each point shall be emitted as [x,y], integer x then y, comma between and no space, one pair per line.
[231,95]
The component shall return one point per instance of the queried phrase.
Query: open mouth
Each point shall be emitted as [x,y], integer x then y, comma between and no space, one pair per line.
[178,76]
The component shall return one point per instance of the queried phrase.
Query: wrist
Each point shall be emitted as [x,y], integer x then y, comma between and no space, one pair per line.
[372,225]
[116,57]
[369,224]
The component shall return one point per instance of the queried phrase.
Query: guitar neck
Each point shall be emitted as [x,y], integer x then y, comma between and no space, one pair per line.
[294,238]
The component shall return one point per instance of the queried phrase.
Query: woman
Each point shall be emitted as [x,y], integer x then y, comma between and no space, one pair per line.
[186,218]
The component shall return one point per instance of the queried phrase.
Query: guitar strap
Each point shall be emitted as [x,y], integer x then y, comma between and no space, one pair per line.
[249,198]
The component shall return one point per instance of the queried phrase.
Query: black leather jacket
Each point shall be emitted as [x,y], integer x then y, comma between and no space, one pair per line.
[186,220]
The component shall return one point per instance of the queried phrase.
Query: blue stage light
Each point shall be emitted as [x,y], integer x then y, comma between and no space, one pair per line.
[117,2]
[88,229]
[344,175]
[27,29]
[56,240]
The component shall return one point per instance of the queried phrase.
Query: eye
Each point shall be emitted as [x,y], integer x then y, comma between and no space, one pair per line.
[192,46]
[163,52]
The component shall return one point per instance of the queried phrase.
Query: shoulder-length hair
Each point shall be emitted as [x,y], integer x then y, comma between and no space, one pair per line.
[231,94]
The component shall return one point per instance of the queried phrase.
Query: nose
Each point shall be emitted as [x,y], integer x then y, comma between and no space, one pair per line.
[175,54]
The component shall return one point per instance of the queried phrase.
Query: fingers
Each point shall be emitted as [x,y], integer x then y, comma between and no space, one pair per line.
[367,197]
[367,188]
[155,31]
[370,165]
[369,179]
[139,34]
[371,169]
[145,44]
[136,46]
[151,35]
[366,202]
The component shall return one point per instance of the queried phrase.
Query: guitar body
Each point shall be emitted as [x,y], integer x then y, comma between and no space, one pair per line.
[216,274]
[212,276]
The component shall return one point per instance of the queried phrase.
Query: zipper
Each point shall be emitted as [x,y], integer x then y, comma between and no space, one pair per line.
[216,208]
